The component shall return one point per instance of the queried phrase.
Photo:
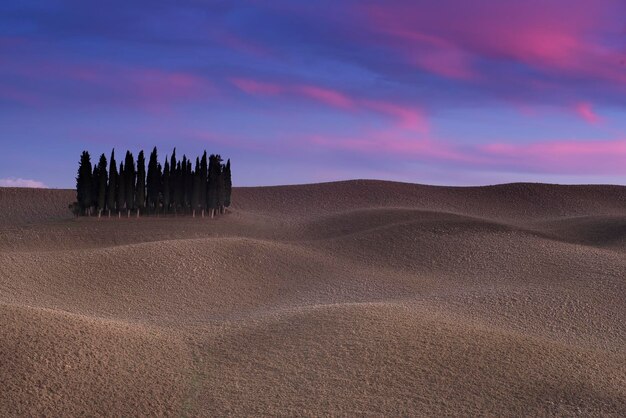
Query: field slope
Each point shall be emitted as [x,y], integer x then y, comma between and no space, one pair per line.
[349,298]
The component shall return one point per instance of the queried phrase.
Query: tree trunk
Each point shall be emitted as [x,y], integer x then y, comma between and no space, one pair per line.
[137,213]
[193,213]
[128,213]
[203,213]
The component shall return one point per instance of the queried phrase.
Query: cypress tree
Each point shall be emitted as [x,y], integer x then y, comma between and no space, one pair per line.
[204,174]
[95,182]
[159,179]
[178,189]
[214,172]
[196,192]
[228,184]
[173,180]
[183,183]
[220,187]
[166,187]
[111,196]
[154,180]
[102,184]
[140,190]
[84,182]
[189,182]
[131,175]
[121,190]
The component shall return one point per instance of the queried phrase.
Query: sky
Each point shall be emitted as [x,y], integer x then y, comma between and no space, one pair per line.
[449,92]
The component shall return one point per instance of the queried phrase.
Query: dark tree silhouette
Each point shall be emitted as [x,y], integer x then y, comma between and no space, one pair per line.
[102,184]
[121,191]
[154,180]
[94,186]
[84,183]
[196,192]
[159,178]
[166,187]
[204,177]
[228,184]
[220,188]
[173,181]
[189,182]
[185,185]
[140,189]
[176,186]
[111,197]
[131,175]
[213,187]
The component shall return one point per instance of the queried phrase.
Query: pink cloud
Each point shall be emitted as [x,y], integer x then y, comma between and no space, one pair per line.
[548,157]
[426,51]
[409,118]
[447,63]
[585,111]
[557,36]
[151,87]
[318,94]
[330,97]
[244,45]
[17,95]
[559,149]
[576,157]
[394,143]
[254,87]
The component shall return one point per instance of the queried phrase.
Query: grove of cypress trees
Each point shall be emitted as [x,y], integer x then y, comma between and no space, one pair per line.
[176,185]
[102,184]
[84,182]
[111,197]
[140,190]
[131,175]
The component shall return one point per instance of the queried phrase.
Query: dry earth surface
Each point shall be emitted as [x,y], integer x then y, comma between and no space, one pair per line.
[352,298]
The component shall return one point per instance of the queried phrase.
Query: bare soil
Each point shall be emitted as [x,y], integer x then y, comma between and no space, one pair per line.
[339,299]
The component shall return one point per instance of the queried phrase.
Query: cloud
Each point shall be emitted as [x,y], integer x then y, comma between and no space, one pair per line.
[407,117]
[586,112]
[255,87]
[561,157]
[590,157]
[327,96]
[19,182]
[41,80]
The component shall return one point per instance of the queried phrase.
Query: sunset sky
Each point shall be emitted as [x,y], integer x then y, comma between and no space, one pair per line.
[443,92]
